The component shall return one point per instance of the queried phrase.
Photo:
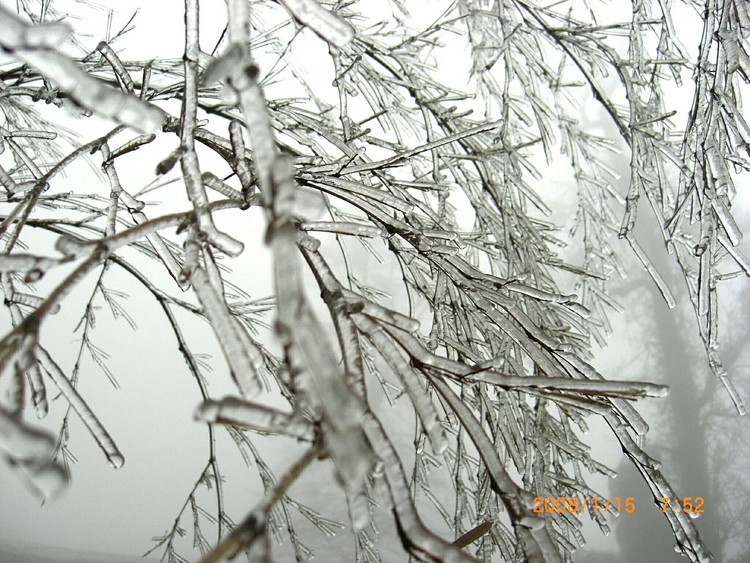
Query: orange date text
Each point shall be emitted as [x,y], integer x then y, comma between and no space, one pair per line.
[579,505]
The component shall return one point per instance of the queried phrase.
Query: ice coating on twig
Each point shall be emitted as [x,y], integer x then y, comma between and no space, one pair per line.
[342,228]
[419,539]
[537,544]
[422,402]
[93,94]
[323,22]
[382,314]
[241,354]
[315,369]
[233,410]
[89,419]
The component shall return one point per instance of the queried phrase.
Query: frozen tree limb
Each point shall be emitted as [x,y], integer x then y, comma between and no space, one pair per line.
[36,48]
[326,24]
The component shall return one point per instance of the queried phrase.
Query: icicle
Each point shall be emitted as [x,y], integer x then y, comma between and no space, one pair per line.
[472,535]
[116,64]
[738,257]
[235,343]
[7,182]
[660,284]
[380,313]
[727,221]
[132,145]
[238,148]
[168,162]
[233,410]
[580,310]
[629,445]
[733,394]
[343,228]
[88,418]
[26,352]
[326,24]
[31,133]
[626,389]
[419,538]
[27,160]
[628,413]
[540,294]
[38,391]
[422,402]
[704,282]
[445,235]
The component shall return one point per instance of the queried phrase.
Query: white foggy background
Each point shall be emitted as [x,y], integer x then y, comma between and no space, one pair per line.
[111,515]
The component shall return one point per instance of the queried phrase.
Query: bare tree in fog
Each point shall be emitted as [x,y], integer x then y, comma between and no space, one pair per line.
[498,375]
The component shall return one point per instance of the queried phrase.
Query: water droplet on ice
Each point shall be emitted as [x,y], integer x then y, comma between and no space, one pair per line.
[116,460]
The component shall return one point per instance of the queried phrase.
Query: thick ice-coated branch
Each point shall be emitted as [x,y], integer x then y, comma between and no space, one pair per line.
[345,330]
[35,47]
[421,401]
[260,418]
[241,353]
[17,34]
[326,24]
[314,368]
[191,172]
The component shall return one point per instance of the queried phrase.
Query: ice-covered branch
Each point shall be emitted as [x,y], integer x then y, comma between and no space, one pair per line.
[323,22]
[36,47]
